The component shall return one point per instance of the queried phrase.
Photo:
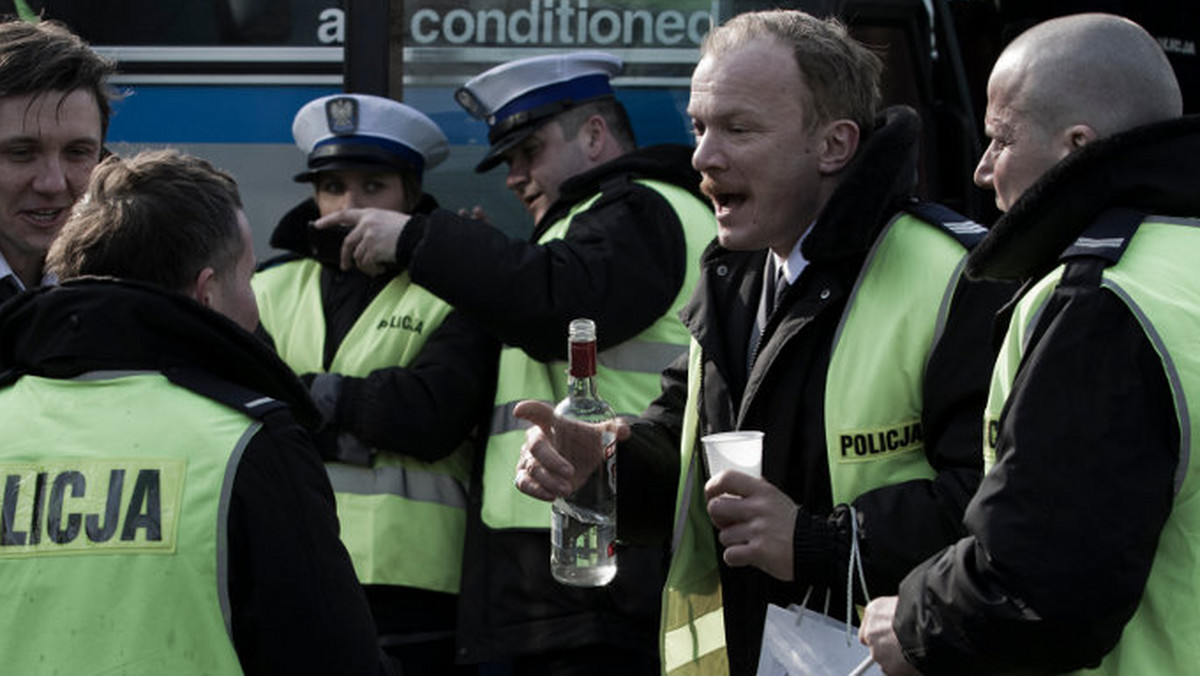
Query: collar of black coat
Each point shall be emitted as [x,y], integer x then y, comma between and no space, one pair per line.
[103,324]
[1154,169]
[882,176]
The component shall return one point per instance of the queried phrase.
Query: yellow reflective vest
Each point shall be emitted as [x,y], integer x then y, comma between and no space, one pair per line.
[873,405]
[402,519]
[1157,279]
[112,543]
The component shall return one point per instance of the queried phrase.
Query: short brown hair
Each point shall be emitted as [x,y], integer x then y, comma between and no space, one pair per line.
[841,73]
[159,217]
[615,117]
[48,57]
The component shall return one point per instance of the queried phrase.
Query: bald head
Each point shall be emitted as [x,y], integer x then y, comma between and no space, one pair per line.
[1098,70]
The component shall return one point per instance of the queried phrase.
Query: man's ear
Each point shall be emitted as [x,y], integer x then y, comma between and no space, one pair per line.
[593,133]
[1079,135]
[838,145]
[204,288]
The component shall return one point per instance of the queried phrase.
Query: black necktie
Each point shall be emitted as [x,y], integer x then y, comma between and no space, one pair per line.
[781,286]
[8,287]
[774,285]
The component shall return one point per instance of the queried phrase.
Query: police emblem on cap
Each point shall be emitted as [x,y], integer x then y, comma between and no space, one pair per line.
[342,115]
[471,103]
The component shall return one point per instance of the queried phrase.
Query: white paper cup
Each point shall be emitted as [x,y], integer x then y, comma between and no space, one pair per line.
[741,451]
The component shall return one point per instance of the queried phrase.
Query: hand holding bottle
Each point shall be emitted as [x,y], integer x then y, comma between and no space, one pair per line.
[583,517]
[545,472]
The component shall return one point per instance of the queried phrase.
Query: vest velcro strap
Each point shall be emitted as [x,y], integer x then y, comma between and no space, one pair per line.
[1107,236]
[245,400]
[966,231]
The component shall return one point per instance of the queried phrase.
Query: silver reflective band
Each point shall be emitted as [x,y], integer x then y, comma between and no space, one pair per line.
[223,504]
[1173,377]
[640,356]
[504,421]
[400,481]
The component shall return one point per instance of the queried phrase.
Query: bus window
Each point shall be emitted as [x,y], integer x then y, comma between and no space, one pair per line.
[223,78]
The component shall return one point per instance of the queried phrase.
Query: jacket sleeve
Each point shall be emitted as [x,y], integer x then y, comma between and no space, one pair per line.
[1063,530]
[621,263]
[296,604]
[424,410]
[902,524]
[648,463]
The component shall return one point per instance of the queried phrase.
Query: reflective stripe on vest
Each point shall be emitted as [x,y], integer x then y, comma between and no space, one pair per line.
[402,520]
[116,494]
[892,320]
[629,374]
[1156,278]
[894,316]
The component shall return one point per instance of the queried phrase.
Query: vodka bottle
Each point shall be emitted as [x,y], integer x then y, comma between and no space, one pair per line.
[584,524]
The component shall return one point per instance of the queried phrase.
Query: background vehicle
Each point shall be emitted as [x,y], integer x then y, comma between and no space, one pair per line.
[223,78]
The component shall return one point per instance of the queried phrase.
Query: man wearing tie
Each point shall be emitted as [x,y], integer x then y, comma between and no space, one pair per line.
[867,375]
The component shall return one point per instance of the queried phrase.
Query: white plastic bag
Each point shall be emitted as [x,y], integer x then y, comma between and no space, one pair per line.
[798,641]
[802,642]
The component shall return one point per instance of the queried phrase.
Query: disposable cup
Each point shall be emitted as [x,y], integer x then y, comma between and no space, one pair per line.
[741,451]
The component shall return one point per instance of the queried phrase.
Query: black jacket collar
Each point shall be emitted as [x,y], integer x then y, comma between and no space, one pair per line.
[882,176]
[105,324]
[669,163]
[1154,169]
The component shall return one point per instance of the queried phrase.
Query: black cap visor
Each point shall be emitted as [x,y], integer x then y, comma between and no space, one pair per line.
[352,157]
[509,134]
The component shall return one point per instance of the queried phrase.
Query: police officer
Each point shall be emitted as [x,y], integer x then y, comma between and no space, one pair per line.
[616,236]
[164,512]
[400,377]
[1080,552]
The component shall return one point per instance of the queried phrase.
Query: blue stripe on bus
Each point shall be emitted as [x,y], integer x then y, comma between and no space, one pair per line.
[166,114]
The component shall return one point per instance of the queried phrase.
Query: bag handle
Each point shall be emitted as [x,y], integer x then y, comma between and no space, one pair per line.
[855,562]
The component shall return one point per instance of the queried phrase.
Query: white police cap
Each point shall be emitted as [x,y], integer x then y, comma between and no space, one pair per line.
[360,131]
[517,97]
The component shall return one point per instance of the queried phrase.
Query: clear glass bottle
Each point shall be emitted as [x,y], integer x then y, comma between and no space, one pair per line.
[584,524]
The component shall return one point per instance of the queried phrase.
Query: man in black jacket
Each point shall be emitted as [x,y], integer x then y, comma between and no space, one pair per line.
[1080,548]
[54,108]
[617,233]
[866,371]
[140,371]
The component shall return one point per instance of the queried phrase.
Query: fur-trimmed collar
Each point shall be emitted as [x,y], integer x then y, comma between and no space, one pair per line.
[1154,168]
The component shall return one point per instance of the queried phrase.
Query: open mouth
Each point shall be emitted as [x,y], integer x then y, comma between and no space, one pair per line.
[43,216]
[723,200]
[727,201]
